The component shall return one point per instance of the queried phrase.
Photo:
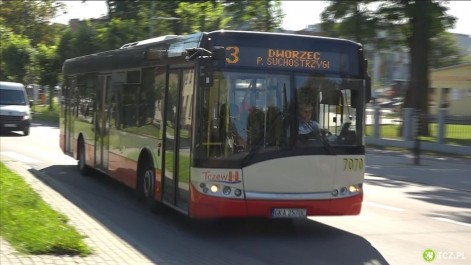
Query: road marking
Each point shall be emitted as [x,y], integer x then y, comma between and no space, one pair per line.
[451,221]
[20,157]
[379,205]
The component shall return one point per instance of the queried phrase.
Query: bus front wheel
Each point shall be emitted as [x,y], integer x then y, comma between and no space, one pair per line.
[147,186]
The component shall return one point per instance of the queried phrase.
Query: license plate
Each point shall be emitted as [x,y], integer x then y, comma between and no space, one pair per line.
[288,213]
[9,125]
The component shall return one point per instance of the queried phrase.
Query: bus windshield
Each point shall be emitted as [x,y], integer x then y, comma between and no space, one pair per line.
[247,112]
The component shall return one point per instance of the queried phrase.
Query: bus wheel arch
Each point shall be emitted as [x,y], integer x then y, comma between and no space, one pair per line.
[81,159]
[145,185]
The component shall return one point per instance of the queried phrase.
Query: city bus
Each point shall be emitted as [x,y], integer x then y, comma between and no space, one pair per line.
[209,123]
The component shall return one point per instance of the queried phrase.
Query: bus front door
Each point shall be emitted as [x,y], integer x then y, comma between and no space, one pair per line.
[170,180]
[177,139]
[101,123]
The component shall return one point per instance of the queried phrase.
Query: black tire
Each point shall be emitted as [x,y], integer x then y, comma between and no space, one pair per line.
[26,131]
[147,185]
[82,167]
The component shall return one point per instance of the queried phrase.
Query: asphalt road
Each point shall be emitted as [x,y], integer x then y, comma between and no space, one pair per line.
[407,209]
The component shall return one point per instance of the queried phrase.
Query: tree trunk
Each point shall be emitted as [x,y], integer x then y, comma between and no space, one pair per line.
[417,96]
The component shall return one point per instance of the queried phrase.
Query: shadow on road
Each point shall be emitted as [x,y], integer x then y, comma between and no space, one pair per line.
[387,183]
[436,195]
[11,134]
[444,196]
[44,123]
[171,238]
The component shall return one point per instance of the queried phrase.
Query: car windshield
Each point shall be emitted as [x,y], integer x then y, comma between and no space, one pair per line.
[12,97]
[247,113]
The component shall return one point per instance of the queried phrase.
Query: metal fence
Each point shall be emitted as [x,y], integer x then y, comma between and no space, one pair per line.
[387,127]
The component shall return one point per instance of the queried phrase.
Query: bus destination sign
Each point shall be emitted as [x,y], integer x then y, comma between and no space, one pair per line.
[283,58]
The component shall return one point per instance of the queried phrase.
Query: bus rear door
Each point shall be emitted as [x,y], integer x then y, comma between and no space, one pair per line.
[101,123]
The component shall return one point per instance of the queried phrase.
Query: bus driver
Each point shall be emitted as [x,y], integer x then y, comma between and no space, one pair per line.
[308,128]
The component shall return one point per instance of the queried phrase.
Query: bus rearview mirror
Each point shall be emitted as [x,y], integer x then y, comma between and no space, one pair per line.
[219,53]
[205,75]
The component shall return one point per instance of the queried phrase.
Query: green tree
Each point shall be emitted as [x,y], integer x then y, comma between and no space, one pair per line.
[421,21]
[82,41]
[444,51]
[85,40]
[153,16]
[201,16]
[118,32]
[407,22]
[350,19]
[264,15]
[30,19]
[123,9]
[65,48]
[49,60]
[15,55]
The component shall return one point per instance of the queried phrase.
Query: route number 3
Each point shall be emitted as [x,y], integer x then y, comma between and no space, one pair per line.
[233,54]
[352,164]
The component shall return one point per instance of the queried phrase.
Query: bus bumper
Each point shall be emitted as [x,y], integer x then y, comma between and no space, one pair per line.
[204,206]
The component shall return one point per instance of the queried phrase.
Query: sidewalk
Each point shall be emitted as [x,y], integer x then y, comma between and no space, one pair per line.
[107,247]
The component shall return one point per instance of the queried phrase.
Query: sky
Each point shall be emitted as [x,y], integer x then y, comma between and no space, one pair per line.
[298,14]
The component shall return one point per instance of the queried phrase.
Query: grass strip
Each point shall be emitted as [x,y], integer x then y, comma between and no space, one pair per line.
[30,225]
[44,113]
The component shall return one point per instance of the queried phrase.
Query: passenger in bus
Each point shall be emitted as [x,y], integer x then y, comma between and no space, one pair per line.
[308,128]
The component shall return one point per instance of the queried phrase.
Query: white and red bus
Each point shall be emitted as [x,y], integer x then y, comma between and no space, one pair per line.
[209,123]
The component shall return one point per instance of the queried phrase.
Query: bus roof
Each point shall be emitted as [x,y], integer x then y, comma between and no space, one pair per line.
[172,48]
[279,34]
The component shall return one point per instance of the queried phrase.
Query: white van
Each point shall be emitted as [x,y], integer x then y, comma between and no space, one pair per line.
[15,113]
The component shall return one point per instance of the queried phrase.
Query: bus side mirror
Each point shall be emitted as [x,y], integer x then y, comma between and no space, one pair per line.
[367,93]
[206,71]
[219,53]
[367,89]
[367,82]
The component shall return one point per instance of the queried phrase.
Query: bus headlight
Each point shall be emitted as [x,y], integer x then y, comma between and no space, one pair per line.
[214,188]
[219,190]
[353,188]
[357,188]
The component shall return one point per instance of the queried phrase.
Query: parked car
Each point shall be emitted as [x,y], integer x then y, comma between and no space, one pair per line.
[15,112]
